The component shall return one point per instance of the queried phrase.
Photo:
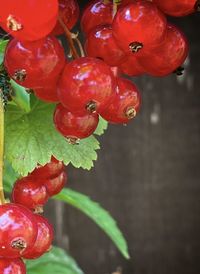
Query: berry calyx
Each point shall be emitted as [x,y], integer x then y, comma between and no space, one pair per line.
[44,239]
[86,84]
[125,104]
[55,185]
[12,266]
[34,64]
[50,170]
[138,25]
[30,192]
[74,126]
[18,230]
[28,20]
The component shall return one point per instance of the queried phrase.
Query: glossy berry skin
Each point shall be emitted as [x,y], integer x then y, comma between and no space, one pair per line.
[18,230]
[95,14]
[125,105]
[34,64]
[139,23]
[44,239]
[168,56]
[101,44]
[177,8]
[30,192]
[28,20]
[55,185]
[131,66]
[74,125]
[86,83]
[48,93]
[69,12]
[50,170]
[12,266]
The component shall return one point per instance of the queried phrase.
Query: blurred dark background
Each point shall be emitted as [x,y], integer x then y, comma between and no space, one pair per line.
[148,177]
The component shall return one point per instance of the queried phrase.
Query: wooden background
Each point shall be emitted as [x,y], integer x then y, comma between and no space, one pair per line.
[148,177]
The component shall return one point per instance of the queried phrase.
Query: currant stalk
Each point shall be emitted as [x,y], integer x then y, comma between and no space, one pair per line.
[2,198]
[116,3]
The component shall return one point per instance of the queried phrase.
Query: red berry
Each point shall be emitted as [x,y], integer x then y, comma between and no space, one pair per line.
[178,7]
[30,192]
[168,56]
[69,12]
[74,125]
[47,93]
[131,66]
[125,104]
[12,266]
[55,185]
[50,170]
[95,14]
[44,239]
[18,230]
[86,83]
[138,25]
[34,64]
[27,19]
[101,44]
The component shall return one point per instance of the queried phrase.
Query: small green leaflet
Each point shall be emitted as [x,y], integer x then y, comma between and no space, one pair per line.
[99,215]
[55,261]
[9,177]
[102,126]
[3,44]
[31,139]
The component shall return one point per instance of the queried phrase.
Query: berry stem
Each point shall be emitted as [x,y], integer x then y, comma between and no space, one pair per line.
[2,198]
[69,38]
[106,2]
[116,3]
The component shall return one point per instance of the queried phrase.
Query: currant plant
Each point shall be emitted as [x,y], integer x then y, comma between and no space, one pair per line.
[54,105]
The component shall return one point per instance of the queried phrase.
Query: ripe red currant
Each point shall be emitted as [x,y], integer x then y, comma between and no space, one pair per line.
[138,25]
[28,20]
[55,185]
[101,44]
[125,104]
[95,14]
[18,230]
[131,66]
[44,239]
[74,126]
[12,266]
[34,64]
[86,84]
[48,93]
[168,56]
[69,12]
[30,192]
[178,7]
[50,170]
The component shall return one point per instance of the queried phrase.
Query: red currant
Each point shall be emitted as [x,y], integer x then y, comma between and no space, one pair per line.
[131,67]
[138,25]
[55,185]
[27,19]
[101,44]
[30,192]
[47,93]
[69,12]
[18,230]
[95,14]
[43,241]
[50,170]
[125,104]
[178,7]
[86,83]
[34,64]
[168,56]
[12,266]
[74,126]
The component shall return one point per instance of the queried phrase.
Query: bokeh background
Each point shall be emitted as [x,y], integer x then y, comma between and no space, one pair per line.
[148,177]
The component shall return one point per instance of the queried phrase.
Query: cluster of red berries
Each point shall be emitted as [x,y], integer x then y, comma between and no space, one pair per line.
[23,232]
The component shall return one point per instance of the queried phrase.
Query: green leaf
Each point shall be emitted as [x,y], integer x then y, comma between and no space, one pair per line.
[3,44]
[55,261]
[101,217]
[9,176]
[32,139]
[102,126]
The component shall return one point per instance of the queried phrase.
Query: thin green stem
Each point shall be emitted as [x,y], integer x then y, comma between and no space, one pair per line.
[116,3]
[2,198]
